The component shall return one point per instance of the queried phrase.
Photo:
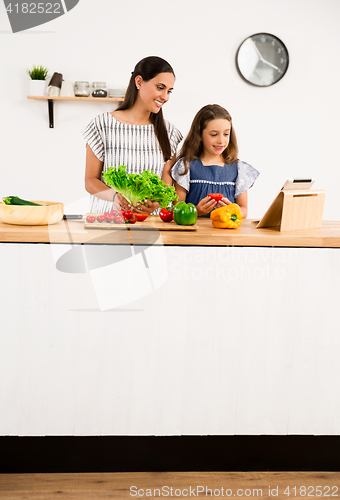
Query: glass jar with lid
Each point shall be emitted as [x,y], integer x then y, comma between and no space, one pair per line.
[82,89]
[99,89]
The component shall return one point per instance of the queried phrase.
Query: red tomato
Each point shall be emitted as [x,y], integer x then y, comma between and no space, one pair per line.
[166,215]
[106,214]
[90,218]
[132,220]
[109,217]
[100,218]
[118,219]
[120,213]
[141,217]
[128,215]
[216,196]
[112,212]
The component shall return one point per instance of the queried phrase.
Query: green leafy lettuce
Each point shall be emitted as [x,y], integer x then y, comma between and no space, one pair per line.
[139,187]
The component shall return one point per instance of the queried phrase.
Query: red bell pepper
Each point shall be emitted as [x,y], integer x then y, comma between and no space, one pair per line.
[166,215]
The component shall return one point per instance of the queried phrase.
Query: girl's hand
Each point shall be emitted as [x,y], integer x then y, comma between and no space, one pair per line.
[205,206]
[223,202]
[148,209]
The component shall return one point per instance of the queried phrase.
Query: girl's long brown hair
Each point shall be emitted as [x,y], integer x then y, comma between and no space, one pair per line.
[149,68]
[192,147]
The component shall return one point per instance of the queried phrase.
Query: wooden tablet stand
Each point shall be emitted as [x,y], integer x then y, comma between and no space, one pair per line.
[294,209]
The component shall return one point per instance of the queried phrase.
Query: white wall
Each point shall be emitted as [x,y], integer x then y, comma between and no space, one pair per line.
[285,130]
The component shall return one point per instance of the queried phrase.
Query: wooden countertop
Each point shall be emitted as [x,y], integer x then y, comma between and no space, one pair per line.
[328,236]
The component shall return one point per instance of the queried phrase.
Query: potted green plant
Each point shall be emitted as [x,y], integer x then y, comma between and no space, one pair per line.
[38,76]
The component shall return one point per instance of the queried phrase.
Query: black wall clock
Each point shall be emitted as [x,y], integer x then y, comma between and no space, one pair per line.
[262,59]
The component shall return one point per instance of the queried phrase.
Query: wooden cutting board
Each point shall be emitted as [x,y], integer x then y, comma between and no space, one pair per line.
[152,222]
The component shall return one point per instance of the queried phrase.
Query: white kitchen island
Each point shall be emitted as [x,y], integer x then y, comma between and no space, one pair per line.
[213,332]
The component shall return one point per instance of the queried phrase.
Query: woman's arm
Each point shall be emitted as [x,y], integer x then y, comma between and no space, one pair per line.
[95,186]
[93,183]
[242,201]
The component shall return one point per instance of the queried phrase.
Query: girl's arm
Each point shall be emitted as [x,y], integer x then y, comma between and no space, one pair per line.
[181,192]
[242,201]
[205,206]
[166,175]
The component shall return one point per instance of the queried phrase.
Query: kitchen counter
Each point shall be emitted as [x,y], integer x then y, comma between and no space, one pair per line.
[148,332]
[328,236]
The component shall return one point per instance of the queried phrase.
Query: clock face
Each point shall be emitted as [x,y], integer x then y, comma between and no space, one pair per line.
[262,59]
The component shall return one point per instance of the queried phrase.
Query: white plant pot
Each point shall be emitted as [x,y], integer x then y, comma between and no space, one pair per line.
[37,87]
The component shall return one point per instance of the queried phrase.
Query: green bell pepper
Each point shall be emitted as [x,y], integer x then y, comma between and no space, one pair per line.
[185,214]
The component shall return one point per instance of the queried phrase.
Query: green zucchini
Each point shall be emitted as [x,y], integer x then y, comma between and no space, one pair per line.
[15,200]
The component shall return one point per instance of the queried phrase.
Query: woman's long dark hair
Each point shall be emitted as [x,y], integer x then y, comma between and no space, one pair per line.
[192,147]
[148,68]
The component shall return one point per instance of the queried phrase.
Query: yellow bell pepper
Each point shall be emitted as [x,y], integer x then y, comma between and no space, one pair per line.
[228,216]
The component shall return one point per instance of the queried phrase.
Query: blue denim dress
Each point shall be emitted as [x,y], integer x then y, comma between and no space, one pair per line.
[211,179]
[231,180]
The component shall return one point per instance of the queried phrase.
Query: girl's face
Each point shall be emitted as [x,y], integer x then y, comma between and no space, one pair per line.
[156,92]
[215,137]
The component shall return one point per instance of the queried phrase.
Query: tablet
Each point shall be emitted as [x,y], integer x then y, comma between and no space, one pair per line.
[298,184]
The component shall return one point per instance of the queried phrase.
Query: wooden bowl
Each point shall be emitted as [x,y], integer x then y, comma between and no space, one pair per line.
[24,215]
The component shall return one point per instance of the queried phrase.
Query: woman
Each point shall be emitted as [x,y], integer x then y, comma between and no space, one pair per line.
[135,135]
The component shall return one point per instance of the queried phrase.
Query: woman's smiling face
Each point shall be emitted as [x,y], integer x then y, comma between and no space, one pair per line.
[155,92]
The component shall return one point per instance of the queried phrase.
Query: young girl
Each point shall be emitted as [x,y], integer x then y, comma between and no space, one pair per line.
[208,163]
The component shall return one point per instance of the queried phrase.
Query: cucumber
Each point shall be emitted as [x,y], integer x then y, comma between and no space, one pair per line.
[15,200]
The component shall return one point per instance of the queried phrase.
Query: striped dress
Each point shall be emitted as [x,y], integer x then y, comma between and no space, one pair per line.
[135,146]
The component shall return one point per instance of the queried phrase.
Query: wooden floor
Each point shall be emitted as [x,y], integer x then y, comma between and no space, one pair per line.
[105,486]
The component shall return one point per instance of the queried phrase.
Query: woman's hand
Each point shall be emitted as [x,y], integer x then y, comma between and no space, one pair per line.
[205,206]
[121,203]
[145,209]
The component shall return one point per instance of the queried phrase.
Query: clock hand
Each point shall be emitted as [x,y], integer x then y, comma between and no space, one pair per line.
[258,52]
[263,60]
[272,65]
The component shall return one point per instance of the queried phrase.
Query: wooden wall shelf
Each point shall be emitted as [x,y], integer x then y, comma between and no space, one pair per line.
[62,98]
[51,99]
